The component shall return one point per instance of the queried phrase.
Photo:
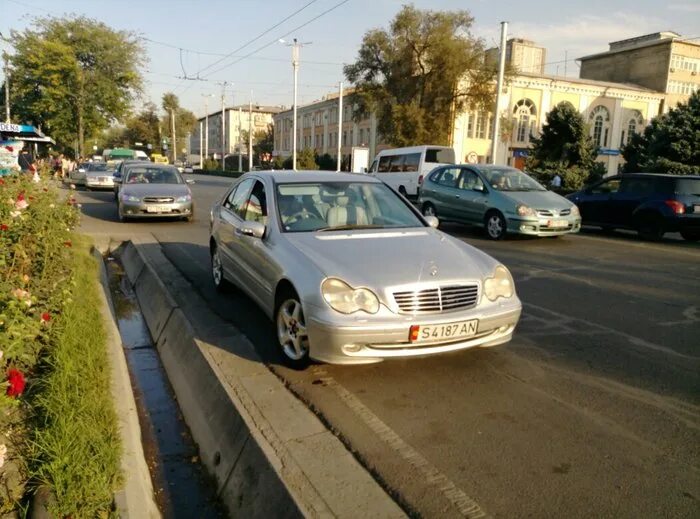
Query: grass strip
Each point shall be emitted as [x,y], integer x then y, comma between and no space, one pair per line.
[75,446]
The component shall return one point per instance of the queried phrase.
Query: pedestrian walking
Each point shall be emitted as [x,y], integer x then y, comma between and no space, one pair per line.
[556,181]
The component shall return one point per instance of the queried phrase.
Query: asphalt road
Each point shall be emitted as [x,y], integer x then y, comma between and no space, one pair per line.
[593,410]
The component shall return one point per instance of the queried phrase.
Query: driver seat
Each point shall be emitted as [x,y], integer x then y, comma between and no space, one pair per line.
[342,212]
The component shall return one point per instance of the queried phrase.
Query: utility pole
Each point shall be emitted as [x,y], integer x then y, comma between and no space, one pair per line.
[201,138]
[223,126]
[296,46]
[7,87]
[174,137]
[250,133]
[499,87]
[340,125]
[206,124]
[240,143]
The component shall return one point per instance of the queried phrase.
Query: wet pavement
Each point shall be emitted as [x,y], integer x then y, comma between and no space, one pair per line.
[181,486]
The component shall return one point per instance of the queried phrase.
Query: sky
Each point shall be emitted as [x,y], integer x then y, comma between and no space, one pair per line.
[187,38]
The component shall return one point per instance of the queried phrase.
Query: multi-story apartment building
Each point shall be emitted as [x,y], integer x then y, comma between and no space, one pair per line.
[318,128]
[238,119]
[521,55]
[662,61]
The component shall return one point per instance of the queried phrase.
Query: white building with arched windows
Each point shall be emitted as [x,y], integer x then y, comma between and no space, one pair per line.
[613,112]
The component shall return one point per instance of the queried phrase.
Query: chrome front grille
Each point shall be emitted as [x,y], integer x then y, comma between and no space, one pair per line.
[158,199]
[436,300]
[549,213]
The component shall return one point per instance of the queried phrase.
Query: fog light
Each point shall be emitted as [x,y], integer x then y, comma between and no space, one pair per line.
[352,348]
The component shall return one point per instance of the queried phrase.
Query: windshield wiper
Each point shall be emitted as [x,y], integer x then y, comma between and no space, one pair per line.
[349,227]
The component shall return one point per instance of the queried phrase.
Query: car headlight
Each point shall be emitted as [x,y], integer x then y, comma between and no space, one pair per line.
[130,198]
[524,210]
[499,285]
[575,211]
[184,198]
[343,298]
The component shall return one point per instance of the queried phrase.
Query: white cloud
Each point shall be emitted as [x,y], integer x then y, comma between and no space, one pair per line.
[685,7]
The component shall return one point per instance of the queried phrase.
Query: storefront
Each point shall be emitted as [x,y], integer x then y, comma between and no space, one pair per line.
[17,139]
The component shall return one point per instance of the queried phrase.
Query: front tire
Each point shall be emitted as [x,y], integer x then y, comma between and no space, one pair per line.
[495,225]
[429,209]
[122,217]
[651,227]
[292,334]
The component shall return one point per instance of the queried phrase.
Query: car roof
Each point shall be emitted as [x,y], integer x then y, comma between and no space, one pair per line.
[657,175]
[288,175]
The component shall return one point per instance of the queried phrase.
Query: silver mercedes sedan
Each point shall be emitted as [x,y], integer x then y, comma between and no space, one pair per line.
[351,273]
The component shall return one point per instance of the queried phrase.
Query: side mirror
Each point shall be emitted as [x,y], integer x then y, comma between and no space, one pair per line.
[432,221]
[189,181]
[254,229]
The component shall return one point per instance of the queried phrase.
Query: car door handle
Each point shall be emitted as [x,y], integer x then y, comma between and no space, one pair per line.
[456,196]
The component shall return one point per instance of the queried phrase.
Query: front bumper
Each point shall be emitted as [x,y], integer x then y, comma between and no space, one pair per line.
[144,210]
[542,226]
[368,341]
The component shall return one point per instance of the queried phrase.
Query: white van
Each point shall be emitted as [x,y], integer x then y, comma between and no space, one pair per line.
[404,168]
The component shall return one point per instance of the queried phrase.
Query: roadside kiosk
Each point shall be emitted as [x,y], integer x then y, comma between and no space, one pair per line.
[15,138]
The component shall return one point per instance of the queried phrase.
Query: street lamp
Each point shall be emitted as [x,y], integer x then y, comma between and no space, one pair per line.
[296,46]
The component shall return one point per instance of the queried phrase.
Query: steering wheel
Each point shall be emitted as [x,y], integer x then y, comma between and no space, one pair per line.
[301,215]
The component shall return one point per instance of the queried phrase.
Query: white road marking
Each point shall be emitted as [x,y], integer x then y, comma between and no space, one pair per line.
[465,504]
[636,341]
[691,314]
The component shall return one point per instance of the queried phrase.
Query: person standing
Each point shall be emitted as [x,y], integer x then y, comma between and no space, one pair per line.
[556,181]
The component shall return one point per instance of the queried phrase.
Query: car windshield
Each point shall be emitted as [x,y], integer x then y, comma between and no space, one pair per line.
[335,206]
[97,166]
[140,175]
[510,179]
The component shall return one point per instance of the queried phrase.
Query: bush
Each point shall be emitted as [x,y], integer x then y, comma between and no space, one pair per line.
[326,162]
[211,164]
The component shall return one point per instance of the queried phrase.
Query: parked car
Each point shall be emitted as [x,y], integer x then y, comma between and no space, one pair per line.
[351,273]
[651,204]
[502,199]
[77,176]
[404,168]
[98,175]
[154,191]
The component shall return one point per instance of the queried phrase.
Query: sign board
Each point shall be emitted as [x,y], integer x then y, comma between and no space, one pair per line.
[7,127]
[608,151]
[472,157]
[359,161]
[520,153]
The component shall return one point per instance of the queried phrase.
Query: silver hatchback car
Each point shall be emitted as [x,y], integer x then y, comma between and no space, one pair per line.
[351,273]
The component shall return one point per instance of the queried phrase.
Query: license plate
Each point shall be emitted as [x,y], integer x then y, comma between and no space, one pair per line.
[557,223]
[443,332]
[696,208]
[158,209]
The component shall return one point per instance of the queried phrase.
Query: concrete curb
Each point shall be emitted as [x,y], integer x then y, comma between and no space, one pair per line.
[135,500]
[270,455]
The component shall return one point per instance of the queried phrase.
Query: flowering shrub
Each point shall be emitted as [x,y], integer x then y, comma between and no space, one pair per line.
[35,285]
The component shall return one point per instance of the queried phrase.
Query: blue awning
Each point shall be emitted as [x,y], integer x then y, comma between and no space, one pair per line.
[23,132]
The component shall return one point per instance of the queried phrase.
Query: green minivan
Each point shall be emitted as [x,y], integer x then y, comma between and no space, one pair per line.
[502,199]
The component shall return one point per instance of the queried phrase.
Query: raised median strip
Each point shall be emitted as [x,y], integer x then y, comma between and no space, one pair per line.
[269,454]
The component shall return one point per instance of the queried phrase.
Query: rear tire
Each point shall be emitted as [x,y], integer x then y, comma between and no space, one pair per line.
[691,235]
[402,191]
[651,226]
[221,284]
[495,225]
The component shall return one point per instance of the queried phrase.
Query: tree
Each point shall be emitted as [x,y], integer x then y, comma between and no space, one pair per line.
[670,144]
[263,144]
[143,127]
[326,162]
[74,77]
[306,159]
[418,75]
[564,147]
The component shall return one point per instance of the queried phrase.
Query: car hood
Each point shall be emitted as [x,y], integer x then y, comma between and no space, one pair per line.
[378,259]
[538,199]
[155,189]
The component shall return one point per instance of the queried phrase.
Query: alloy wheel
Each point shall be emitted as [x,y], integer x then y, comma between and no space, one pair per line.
[291,330]
[495,226]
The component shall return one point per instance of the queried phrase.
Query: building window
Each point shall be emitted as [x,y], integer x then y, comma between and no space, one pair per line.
[525,113]
[634,125]
[599,119]
[481,125]
[470,126]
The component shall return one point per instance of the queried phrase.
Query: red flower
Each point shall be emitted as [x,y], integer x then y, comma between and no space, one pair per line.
[1,182]
[3,227]
[20,197]
[45,317]
[16,381]
[68,243]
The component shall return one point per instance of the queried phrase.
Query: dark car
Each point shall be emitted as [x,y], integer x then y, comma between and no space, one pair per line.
[652,204]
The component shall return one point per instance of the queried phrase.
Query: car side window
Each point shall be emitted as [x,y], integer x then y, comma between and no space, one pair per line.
[236,200]
[384,164]
[411,162]
[637,186]
[256,208]
[435,176]
[396,164]
[469,181]
[609,186]
[449,177]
